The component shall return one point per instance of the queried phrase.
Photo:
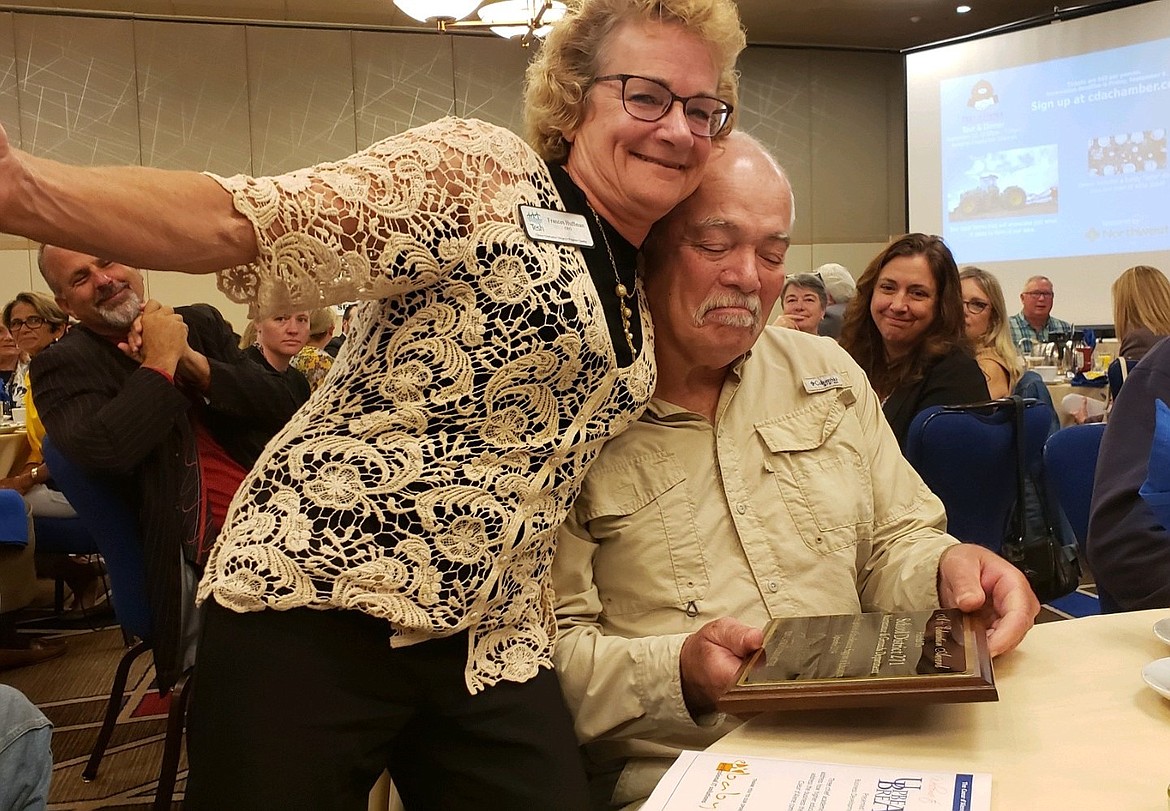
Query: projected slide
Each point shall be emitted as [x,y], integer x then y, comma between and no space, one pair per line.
[1062,158]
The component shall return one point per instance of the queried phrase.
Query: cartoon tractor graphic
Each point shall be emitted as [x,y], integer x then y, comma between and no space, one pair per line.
[987,196]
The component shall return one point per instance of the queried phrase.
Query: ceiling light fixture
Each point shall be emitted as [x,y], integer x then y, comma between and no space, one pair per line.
[526,19]
[962,9]
[522,18]
[437,11]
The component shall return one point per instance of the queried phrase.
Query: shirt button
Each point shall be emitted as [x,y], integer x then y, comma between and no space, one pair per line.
[741,508]
[772,586]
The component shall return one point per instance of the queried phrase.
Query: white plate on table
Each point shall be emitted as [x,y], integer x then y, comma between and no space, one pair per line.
[1157,675]
[1162,630]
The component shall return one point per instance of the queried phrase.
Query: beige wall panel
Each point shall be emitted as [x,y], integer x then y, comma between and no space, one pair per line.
[489,80]
[301,86]
[850,142]
[400,81]
[896,178]
[193,96]
[853,255]
[774,107]
[17,269]
[78,101]
[9,103]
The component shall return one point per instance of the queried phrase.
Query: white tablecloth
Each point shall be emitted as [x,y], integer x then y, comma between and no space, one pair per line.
[1075,728]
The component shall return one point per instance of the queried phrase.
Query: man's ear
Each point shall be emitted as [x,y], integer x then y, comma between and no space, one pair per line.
[65,306]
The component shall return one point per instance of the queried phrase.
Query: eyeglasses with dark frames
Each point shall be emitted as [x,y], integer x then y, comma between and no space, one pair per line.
[975,306]
[650,100]
[32,322]
[1038,293]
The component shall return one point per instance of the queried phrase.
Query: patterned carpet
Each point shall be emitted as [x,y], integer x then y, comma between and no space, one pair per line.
[73,690]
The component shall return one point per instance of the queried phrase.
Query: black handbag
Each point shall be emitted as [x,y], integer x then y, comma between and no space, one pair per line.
[1051,566]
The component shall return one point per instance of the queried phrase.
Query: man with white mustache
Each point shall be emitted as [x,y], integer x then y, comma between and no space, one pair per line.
[164,405]
[762,481]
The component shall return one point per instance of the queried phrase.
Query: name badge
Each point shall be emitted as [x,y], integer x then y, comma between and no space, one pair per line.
[825,382]
[561,227]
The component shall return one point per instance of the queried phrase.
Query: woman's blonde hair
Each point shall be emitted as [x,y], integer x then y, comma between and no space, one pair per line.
[249,336]
[998,337]
[1141,298]
[570,58]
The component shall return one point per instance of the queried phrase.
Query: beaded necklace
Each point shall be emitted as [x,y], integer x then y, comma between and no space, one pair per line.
[623,293]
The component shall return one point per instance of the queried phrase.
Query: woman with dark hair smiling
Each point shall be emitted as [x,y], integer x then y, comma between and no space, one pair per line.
[905,329]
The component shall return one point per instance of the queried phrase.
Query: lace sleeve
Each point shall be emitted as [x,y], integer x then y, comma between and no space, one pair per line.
[392,218]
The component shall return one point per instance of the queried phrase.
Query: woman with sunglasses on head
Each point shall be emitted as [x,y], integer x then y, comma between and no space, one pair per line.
[905,329]
[379,593]
[986,325]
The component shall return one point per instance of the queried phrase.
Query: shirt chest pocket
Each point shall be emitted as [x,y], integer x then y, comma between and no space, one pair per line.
[648,556]
[815,459]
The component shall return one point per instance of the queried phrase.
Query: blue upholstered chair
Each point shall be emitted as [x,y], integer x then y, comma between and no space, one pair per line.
[966,455]
[1070,463]
[1117,374]
[114,527]
[1031,386]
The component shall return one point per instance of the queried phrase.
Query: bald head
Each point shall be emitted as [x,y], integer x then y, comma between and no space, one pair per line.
[715,264]
[737,162]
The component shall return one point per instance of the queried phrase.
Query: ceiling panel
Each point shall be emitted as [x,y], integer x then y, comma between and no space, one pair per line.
[867,24]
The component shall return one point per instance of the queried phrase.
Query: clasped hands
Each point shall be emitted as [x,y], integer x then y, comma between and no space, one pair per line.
[157,338]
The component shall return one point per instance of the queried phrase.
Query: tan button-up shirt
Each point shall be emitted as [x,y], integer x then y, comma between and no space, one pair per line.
[796,501]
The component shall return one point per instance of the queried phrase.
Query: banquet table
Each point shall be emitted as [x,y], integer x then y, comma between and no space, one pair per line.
[1075,727]
[13,451]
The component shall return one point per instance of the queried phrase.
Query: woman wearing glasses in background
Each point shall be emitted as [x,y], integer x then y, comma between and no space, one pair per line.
[35,321]
[502,339]
[986,320]
[905,329]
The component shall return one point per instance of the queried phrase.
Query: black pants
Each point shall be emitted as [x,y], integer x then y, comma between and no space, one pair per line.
[303,709]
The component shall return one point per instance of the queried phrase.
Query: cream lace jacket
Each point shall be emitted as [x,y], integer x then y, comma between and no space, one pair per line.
[424,482]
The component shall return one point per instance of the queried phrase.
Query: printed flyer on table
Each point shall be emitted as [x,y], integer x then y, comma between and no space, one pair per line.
[711,780]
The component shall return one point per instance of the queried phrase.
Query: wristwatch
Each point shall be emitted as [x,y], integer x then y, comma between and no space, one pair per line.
[33,471]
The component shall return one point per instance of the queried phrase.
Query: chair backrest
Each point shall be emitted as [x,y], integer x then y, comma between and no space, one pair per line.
[966,455]
[1117,374]
[1070,462]
[114,528]
[1031,386]
[13,519]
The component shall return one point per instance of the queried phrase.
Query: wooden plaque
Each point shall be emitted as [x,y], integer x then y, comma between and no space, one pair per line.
[865,660]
